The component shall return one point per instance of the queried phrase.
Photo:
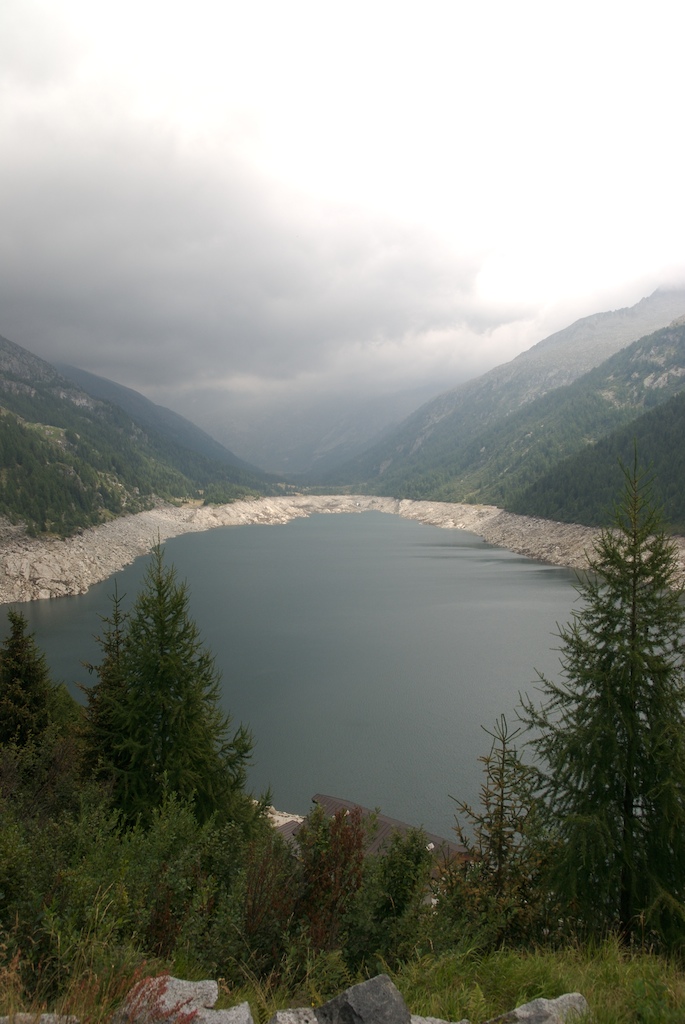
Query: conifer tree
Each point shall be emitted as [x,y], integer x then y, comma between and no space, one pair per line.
[611,735]
[158,714]
[102,700]
[494,890]
[25,686]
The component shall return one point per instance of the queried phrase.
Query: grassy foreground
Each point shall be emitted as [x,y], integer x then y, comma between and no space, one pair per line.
[620,987]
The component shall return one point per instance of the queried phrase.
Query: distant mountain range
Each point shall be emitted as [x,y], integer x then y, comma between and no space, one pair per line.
[494,439]
[311,434]
[73,458]
[154,417]
[540,435]
[455,419]
[313,437]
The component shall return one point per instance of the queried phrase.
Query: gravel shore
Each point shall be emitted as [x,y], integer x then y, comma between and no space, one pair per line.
[33,569]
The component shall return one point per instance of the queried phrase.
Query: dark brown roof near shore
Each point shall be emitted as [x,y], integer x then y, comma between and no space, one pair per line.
[288,831]
[442,848]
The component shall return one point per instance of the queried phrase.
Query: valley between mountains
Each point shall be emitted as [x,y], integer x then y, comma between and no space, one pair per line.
[33,568]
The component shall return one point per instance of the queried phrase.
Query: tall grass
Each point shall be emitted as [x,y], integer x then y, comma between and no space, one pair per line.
[621,987]
[96,985]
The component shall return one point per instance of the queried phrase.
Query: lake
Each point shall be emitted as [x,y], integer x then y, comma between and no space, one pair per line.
[364,651]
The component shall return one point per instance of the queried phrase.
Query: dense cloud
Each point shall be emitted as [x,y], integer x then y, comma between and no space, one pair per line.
[135,258]
[258,207]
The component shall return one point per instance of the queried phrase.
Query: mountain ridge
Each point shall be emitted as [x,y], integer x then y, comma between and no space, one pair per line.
[74,457]
[462,411]
[71,460]
[157,417]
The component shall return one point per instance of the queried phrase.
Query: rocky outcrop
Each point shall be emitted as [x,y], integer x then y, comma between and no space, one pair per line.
[556,543]
[31,569]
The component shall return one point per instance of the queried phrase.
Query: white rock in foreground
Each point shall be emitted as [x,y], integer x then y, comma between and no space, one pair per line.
[562,1010]
[167,1000]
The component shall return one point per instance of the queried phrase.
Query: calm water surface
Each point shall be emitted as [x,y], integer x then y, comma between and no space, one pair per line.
[364,651]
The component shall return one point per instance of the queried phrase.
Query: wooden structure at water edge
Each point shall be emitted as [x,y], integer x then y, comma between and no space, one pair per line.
[380,836]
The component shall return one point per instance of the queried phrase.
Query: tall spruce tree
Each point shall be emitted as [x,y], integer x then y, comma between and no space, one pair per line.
[610,737]
[155,716]
[25,686]
[102,742]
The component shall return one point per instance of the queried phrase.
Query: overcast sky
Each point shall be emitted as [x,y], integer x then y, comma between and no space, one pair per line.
[285,198]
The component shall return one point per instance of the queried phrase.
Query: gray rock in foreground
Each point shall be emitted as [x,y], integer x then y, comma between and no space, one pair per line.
[303,1015]
[564,1010]
[376,1001]
[379,1002]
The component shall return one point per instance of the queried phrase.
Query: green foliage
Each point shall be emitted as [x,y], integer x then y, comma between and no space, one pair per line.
[70,461]
[25,686]
[582,488]
[390,916]
[60,483]
[493,895]
[86,883]
[480,444]
[331,868]
[44,777]
[304,978]
[157,709]
[103,748]
[610,737]
[129,838]
[621,986]
[269,891]
[78,884]
[225,492]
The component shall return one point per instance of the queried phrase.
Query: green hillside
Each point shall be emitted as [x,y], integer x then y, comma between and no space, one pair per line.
[157,418]
[70,460]
[457,418]
[582,488]
[499,462]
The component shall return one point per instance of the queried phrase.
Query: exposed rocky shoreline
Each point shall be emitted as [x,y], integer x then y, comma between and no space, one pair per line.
[33,569]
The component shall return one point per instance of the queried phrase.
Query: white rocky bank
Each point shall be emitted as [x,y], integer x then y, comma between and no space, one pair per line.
[32,569]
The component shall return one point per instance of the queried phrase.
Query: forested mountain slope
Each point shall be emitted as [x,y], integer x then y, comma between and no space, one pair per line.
[70,460]
[510,455]
[583,487]
[455,420]
[502,460]
[154,417]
